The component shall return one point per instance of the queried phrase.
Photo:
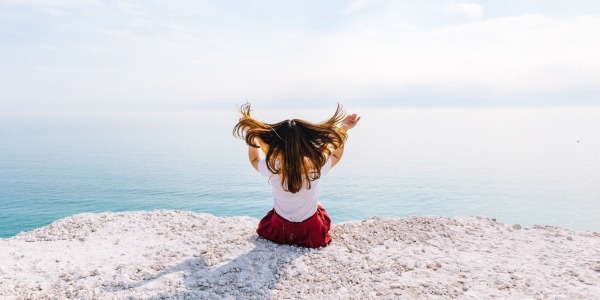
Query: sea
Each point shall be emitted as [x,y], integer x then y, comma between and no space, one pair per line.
[521,166]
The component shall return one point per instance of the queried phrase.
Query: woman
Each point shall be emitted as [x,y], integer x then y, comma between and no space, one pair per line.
[296,154]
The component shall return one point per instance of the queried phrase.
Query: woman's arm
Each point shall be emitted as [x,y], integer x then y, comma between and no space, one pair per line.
[348,123]
[336,155]
[253,156]
[253,153]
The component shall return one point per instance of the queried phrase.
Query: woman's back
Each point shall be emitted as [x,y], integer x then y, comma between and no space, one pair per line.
[295,207]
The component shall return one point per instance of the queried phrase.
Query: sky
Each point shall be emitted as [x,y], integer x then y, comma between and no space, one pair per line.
[130,55]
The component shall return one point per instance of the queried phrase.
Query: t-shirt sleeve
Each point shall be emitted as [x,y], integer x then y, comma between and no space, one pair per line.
[262,168]
[326,167]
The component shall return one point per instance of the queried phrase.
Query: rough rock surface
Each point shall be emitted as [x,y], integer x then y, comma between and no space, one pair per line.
[184,255]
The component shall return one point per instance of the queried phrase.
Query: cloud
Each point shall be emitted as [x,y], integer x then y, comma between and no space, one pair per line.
[355,6]
[56,3]
[470,10]
[503,56]
[151,54]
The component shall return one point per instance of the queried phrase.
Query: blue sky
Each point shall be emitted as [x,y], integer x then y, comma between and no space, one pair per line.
[94,55]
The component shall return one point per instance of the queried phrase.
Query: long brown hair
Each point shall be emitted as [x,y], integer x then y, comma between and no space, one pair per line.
[294,149]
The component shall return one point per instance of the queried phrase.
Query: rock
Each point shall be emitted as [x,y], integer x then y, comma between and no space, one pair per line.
[502,264]
[396,285]
[585,280]
[516,226]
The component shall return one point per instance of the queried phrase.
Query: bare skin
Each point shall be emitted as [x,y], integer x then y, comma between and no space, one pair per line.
[348,123]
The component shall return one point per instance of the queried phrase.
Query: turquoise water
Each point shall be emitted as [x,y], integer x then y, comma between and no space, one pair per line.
[525,166]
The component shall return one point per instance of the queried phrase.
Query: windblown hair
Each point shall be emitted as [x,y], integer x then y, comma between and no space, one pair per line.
[294,149]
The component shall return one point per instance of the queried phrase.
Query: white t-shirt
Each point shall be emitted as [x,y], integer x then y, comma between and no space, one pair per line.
[294,207]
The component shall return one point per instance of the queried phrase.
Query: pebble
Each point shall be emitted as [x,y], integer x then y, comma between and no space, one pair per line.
[396,285]
[585,280]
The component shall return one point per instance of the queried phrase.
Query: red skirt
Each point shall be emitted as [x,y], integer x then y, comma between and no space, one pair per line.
[311,233]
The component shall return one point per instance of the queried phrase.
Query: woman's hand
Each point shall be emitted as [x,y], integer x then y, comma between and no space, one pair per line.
[349,122]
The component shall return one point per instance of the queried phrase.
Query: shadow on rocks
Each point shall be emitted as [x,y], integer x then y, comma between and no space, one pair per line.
[252,275]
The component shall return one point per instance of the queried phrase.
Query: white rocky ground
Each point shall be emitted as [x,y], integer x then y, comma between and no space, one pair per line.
[184,255]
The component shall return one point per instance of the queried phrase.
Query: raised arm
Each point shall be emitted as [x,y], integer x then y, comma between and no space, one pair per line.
[253,153]
[253,156]
[348,123]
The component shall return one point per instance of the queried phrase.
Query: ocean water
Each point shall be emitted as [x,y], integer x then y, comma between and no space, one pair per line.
[522,166]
